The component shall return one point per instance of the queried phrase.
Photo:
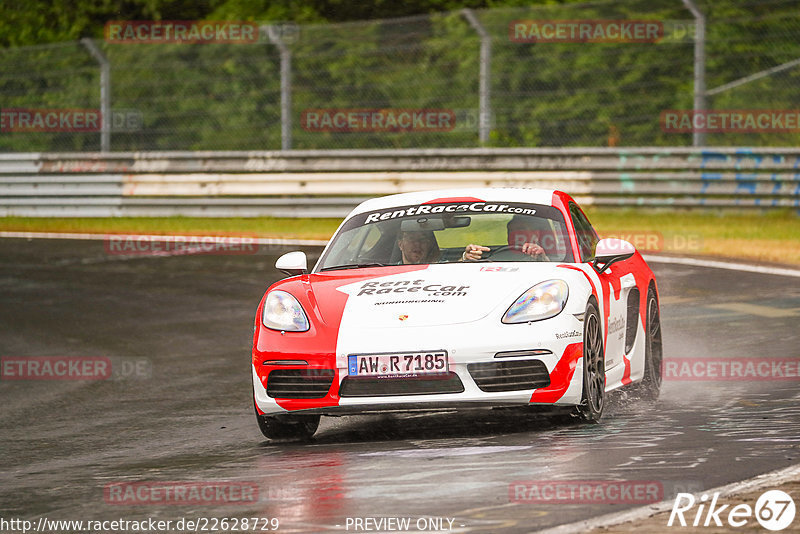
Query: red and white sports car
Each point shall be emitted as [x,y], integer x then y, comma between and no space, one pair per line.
[456,299]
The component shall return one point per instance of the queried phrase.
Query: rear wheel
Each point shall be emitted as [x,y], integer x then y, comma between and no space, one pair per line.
[288,427]
[653,356]
[594,373]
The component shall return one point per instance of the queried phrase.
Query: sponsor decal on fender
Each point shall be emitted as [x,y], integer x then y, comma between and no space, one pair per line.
[615,324]
[565,335]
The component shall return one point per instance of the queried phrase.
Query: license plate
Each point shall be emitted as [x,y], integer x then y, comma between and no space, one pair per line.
[408,365]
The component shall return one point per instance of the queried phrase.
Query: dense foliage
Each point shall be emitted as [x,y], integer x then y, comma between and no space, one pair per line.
[224,96]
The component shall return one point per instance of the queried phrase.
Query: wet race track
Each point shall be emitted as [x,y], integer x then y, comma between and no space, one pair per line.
[178,406]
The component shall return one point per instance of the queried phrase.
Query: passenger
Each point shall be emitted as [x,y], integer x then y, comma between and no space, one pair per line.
[521,232]
[418,247]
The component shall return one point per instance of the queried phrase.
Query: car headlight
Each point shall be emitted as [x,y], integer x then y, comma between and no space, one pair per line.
[283,312]
[542,301]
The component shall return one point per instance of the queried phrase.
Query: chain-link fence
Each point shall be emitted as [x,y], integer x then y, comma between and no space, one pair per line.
[496,77]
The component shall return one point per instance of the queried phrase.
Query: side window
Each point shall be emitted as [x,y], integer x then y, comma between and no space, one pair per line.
[357,241]
[587,237]
[366,247]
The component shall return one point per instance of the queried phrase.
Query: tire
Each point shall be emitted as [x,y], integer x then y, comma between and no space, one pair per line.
[288,427]
[650,386]
[590,409]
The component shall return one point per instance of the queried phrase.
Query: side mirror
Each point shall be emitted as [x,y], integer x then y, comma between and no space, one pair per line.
[293,263]
[611,250]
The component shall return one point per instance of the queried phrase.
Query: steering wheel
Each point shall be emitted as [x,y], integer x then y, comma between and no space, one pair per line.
[512,253]
[514,250]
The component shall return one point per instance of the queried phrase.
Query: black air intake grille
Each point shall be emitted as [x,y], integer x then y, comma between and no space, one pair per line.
[509,376]
[385,387]
[299,383]
[633,319]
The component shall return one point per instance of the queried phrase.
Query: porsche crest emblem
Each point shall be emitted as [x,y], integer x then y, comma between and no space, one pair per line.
[403,317]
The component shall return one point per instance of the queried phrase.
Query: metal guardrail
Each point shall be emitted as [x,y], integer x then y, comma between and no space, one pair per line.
[329,183]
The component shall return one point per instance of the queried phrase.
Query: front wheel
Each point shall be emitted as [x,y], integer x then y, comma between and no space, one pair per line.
[288,427]
[594,373]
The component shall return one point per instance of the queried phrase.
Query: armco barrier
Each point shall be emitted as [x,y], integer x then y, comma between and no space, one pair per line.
[328,183]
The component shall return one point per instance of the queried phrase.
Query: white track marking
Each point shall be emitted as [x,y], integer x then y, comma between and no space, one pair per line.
[723,265]
[319,242]
[102,237]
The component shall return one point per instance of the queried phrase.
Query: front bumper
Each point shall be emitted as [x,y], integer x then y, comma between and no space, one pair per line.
[470,344]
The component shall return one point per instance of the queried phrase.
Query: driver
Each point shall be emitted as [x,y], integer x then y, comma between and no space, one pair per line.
[521,237]
[418,247]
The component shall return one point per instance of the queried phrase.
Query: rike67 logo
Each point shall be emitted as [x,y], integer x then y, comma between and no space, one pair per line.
[774,510]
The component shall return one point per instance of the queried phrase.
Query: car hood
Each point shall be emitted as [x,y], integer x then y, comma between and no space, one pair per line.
[433,295]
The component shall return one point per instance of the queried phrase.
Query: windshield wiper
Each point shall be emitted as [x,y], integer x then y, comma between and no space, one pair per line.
[353,266]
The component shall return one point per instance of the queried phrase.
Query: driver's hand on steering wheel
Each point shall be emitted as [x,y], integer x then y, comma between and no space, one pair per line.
[532,249]
[473,252]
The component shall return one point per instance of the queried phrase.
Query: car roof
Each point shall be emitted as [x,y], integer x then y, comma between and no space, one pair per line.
[489,194]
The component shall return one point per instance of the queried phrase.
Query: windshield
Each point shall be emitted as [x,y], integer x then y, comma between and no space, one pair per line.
[441,233]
